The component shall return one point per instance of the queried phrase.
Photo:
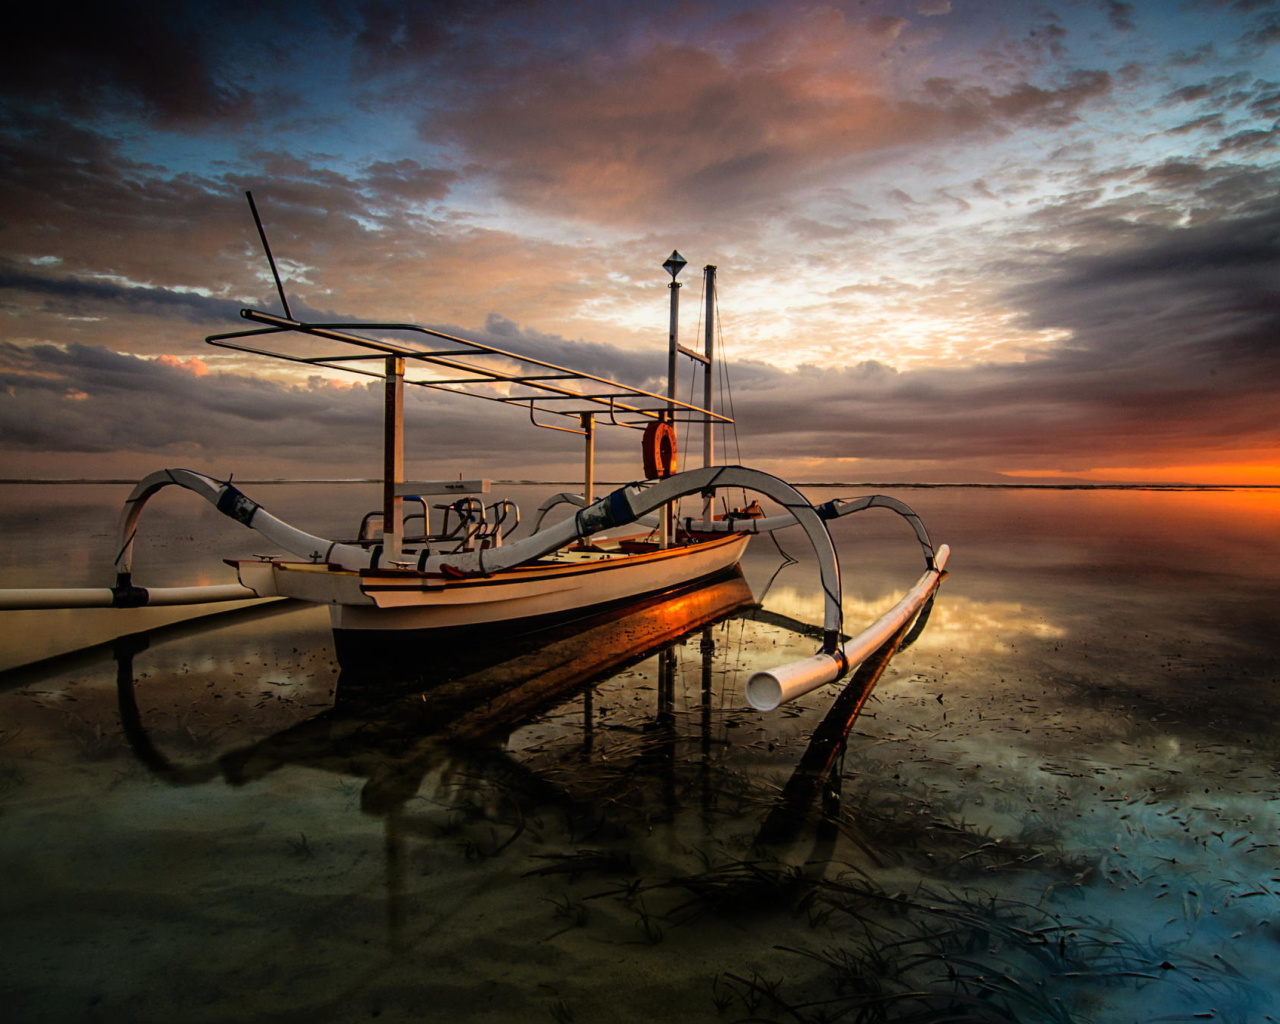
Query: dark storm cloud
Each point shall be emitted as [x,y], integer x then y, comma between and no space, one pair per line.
[72,296]
[89,399]
[1248,140]
[1120,15]
[1190,58]
[602,112]
[1267,101]
[1210,122]
[1261,21]
[190,64]
[409,33]
[643,369]
[1179,174]
[1222,91]
[1207,293]
[131,56]
[407,180]
[1264,31]
[71,194]
[81,219]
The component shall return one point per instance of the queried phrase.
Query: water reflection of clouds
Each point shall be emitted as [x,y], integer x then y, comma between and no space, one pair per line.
[956,623]
[1061,745]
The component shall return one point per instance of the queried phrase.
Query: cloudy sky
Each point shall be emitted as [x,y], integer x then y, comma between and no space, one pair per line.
[956,238]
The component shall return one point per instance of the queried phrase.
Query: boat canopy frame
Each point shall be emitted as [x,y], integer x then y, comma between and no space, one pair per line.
[542,390]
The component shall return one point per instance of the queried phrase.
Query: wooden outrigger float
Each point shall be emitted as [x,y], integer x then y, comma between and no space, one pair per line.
[418,564]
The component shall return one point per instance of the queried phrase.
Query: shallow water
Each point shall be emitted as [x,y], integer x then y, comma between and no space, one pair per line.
[1058,804]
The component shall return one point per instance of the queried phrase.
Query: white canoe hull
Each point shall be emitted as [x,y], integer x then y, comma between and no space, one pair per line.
[564,585]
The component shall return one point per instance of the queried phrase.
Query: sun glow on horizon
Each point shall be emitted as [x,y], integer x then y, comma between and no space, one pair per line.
[1246,474]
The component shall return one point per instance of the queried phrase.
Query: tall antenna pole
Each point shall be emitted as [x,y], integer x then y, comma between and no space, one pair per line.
[266,247]
[708,379]
[673,265]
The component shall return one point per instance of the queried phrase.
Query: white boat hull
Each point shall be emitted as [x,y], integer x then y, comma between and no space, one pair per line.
[562,585]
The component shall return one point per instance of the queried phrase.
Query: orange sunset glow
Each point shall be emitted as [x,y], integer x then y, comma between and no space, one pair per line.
[1248,474]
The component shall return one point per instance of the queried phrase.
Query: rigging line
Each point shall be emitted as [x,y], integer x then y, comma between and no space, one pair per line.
[688,427]
[769,586]
[726,385]
[702,302]
[726,390]
[787,559]
[693,388]
[693,372]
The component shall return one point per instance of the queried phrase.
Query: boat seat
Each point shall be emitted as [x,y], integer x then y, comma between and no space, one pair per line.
[503,517]
[466,524]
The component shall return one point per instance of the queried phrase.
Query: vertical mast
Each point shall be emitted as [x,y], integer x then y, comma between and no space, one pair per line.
[708,376]
[708,379]
[673,347]
[392,457]
[589,457]
[673,265]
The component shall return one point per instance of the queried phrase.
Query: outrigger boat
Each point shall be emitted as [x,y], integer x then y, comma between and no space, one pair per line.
[435,556]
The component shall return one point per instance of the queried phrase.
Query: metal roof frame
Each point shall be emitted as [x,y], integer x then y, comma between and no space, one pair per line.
[606,396]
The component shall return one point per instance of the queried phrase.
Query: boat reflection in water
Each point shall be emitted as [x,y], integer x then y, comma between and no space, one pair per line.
[496,735]
[400,716]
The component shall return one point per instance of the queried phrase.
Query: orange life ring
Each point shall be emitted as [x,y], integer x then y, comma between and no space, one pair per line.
[659,449]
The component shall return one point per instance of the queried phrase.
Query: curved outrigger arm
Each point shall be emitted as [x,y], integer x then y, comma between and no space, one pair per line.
[766,690]
[620,508]
[828,510]
[232,502]
[628,504]
[578,501]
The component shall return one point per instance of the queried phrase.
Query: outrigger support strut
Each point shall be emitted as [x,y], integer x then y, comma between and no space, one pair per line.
[621,507]
[231,502]
[828,510]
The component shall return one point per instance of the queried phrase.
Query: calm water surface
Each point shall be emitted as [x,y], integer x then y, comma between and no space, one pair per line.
[1058,804]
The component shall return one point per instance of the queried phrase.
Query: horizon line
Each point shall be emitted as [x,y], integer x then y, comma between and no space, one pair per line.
[998,485]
